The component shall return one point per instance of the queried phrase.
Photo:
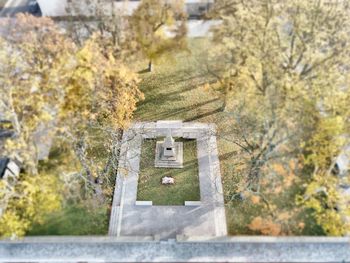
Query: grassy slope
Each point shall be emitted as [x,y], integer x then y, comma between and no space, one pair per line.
[186,187]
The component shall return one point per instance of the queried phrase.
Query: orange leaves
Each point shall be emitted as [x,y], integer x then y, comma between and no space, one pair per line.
[277,189]
[284,216]
[279,169]
[301,225]
[255,199]
[286,172]
[265,226]
[108,86]
[289,179]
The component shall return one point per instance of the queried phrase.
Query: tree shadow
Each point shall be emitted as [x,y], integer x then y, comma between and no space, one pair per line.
[183,110]
[169,79]
[146,70]
[203,115]
[227,156]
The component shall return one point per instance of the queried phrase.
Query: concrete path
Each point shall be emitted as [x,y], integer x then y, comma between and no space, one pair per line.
[166,222]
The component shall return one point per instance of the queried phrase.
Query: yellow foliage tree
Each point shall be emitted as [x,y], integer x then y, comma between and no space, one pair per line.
[281,70]
[32,199]
[159,27]
[101,96]
[323,193]
[45,79]
[33,55]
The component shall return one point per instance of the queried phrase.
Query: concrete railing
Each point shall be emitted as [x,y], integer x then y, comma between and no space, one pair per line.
[231,249]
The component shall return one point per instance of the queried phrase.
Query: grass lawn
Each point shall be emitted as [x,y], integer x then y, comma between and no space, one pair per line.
[186,187]
[73,220]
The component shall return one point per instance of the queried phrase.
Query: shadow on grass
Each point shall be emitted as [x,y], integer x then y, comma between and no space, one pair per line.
[153,97]
[151,82]
[144,71]
[227,156]
[203,115]
[184,110]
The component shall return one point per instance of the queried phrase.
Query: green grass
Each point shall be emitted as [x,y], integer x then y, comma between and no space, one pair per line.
[73,220]
[173,91]
[186,187]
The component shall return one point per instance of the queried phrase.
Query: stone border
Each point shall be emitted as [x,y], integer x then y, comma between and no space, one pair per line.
[211,195]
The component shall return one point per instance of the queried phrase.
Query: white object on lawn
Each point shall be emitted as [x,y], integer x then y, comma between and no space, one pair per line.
[168,180]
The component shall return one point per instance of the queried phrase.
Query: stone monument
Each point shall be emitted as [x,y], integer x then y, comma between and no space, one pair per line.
[169,154]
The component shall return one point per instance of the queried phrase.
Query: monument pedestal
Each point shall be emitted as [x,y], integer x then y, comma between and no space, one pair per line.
[163,161]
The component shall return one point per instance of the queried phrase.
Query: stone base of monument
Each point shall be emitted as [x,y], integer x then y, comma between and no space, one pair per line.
[162,161]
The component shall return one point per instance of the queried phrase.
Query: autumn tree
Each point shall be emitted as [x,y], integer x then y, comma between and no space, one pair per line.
[107,17]
[32,198]
[270,45]
[109,87]
[323,193]
[84,95]
[280,69]
[34,59]
[159,27]
[100,98]
[33,74]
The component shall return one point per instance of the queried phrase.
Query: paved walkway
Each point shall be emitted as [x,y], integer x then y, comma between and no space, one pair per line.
[164,222]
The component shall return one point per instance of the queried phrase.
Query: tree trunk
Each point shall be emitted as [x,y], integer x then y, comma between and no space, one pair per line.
[224,104]
[80,150]
[150,66]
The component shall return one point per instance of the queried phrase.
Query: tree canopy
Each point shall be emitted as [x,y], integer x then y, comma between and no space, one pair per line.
[74,91]
[281,70]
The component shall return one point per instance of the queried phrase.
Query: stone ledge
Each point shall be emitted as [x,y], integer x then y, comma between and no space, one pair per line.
[163,127]
[257,250]
[193,203]
[144,203]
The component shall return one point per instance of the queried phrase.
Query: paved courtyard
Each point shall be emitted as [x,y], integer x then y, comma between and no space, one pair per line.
[164,222]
